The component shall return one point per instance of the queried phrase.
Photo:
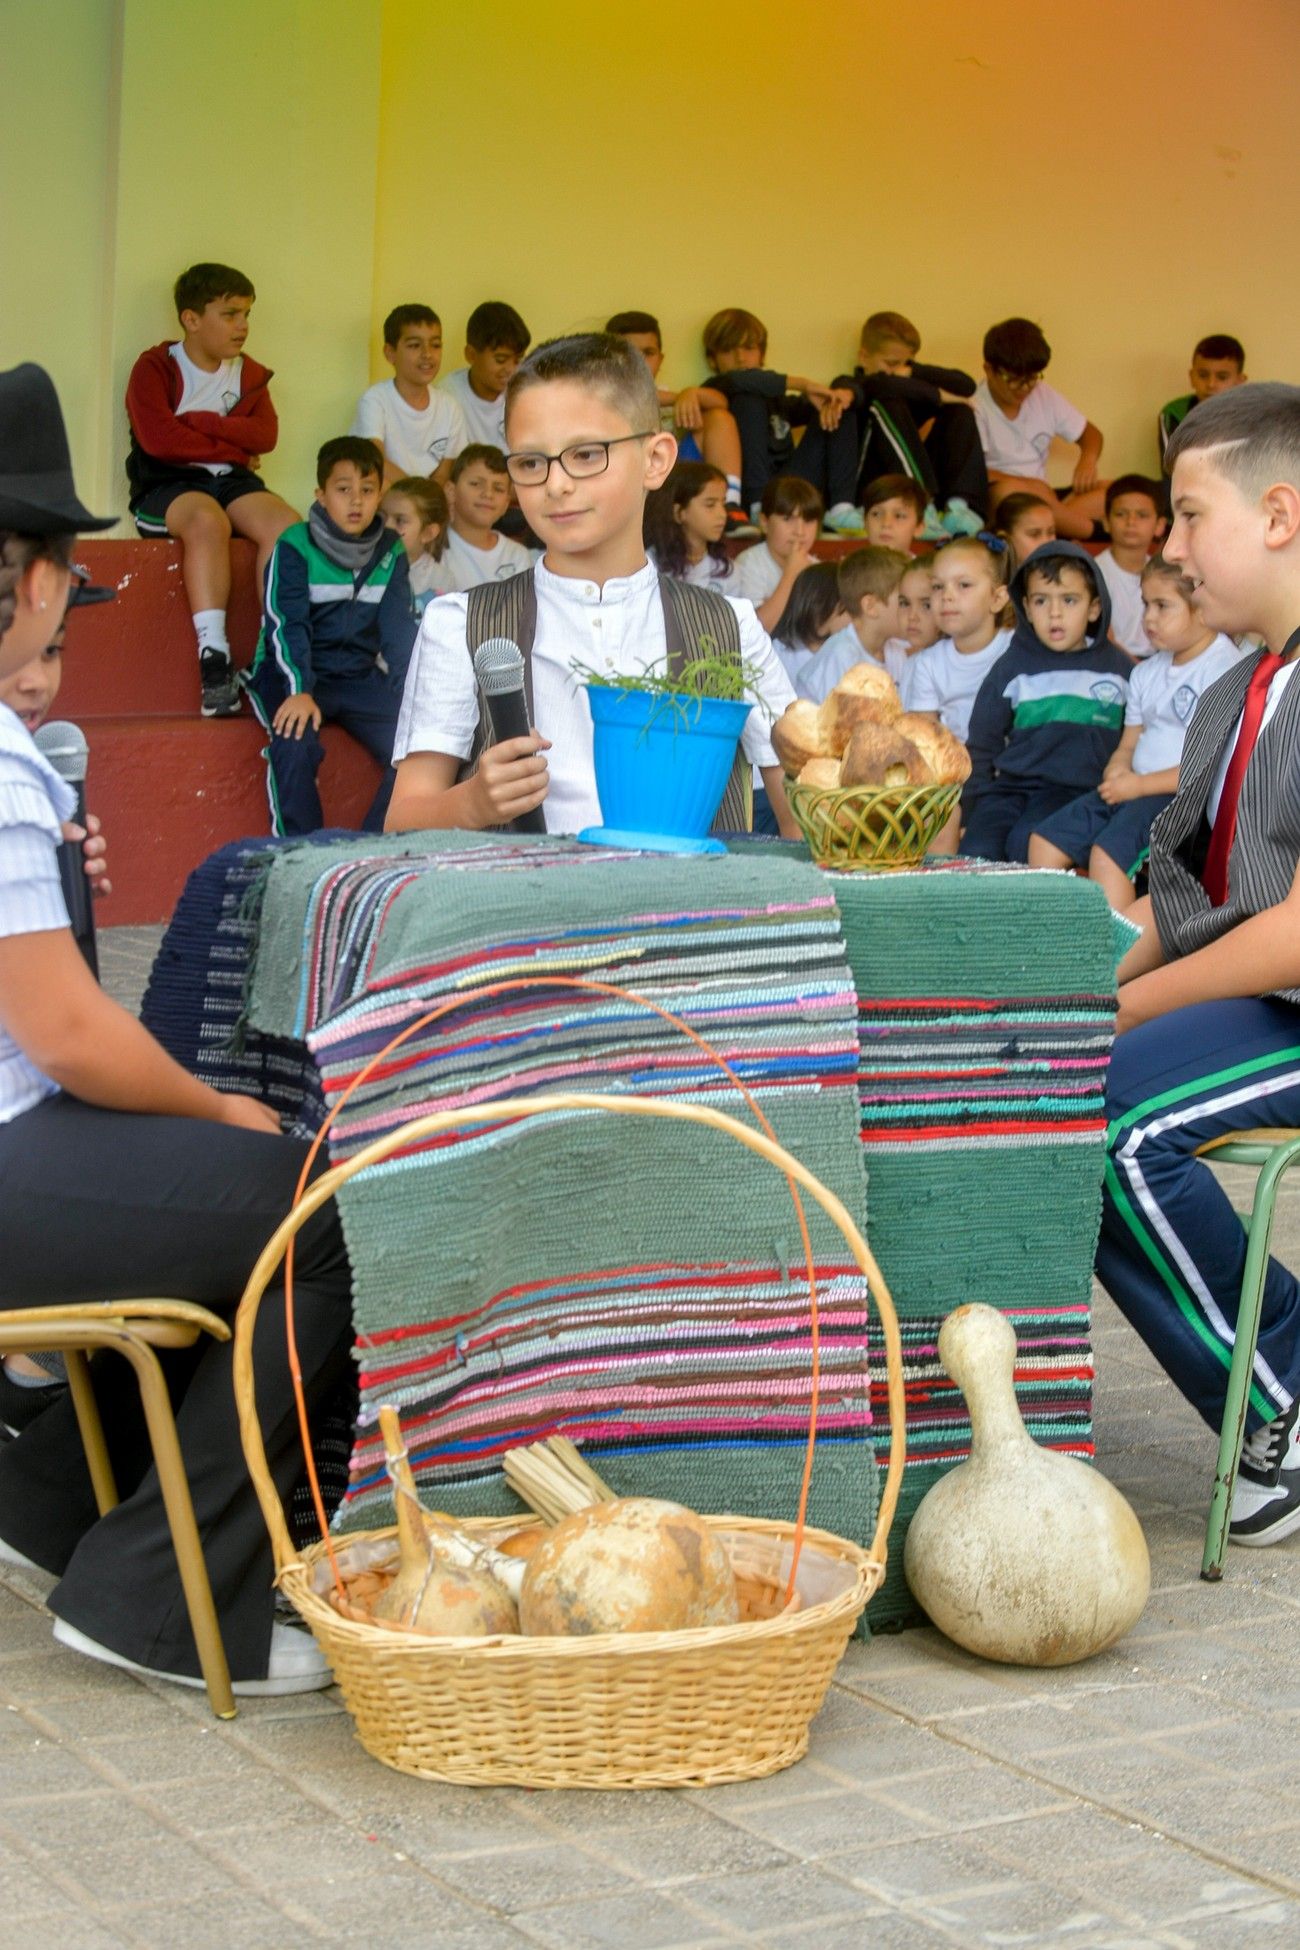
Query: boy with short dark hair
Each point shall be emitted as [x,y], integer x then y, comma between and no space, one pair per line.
[496,339]
[337,629]
[418,428]
[1218,363]
[893,509]
[767,406]
[585,449]
[703,432]
[201,419]
[869,580]
[475,551]
[1050,713]
[1210,1042]
[1019,415]
[914,418]
[1135,521]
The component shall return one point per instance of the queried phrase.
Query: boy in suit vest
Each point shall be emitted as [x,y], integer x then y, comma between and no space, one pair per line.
[585,449]
[1210,995]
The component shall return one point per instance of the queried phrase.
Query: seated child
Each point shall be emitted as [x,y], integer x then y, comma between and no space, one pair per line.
[1109,830]
[417,427]
[480,493]
[1020,415]
[917,625]
[703,433]
[1049,715]
[915,413]
[868,581]
[685,521]
[585,450]
[968,597]
[1218,362]
[1025,522]
[337,628]
[1136,522]
[496,339]
[893,509]
[1208,995]
[768,406]
[416,510]
[789,516]
[201,419]
[813,616]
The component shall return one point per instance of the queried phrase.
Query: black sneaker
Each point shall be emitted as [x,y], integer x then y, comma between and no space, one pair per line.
[739,526]
[1266,1501]
[220,683]
[19,1406]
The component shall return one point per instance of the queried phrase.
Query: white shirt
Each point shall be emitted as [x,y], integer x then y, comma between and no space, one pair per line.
[1278,683]
[464,566]
[208,392]
[34,801]
[758,574]
[416,439]
[1125,588]
[1020,446]
[485,419]
[428,579]
[947,680]
[837,657]
[619,628]
[707,573]
[1162,696]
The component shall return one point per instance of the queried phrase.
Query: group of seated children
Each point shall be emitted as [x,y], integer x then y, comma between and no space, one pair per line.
[882,449]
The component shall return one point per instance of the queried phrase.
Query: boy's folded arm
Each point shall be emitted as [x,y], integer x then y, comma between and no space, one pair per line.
[947,379]
[1260,956]
[757,382]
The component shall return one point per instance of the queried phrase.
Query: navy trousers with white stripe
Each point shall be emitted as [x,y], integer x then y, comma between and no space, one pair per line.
[1172,1248]
[367,706]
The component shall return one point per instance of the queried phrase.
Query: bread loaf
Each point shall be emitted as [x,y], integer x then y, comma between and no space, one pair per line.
[820,771]
[797,736]
[946,756]
[864,695]
[879,756]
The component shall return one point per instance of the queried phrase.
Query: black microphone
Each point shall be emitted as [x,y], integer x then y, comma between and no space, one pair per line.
[499,668]
[64,746]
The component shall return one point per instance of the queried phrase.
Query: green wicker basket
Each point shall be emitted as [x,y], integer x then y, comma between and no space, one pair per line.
[870,829]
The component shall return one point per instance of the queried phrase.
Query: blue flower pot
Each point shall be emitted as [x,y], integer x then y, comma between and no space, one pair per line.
[662,766]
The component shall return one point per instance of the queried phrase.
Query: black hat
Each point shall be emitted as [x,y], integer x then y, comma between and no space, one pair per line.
[37,496]
[82,590]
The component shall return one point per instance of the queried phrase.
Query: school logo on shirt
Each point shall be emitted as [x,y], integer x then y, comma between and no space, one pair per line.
[438,447]
[1108,690]
[229,401]
[1184,701]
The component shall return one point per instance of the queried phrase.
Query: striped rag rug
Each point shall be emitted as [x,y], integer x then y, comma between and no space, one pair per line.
[636,1286]
[982,1096]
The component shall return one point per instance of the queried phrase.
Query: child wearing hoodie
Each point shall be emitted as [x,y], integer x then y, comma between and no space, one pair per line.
[1050,714]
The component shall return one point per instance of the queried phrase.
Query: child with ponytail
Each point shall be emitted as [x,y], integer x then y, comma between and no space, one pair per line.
[415,508]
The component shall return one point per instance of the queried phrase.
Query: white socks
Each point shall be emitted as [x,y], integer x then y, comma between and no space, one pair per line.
[733,490]
[210,629]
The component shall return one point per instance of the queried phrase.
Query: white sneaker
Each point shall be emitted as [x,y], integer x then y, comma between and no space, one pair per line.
[1266,1500]
[8,1555]
[296,1664]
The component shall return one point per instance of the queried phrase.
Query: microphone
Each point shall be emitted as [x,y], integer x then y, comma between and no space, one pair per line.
[64,746]
[499,668]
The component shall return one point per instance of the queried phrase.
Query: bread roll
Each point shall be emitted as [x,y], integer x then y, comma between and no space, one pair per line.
[797,736]
[946,756]
[821,771]
[864,695]
[879,756]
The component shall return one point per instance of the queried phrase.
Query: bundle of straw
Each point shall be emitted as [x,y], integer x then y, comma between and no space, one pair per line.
[553,1479]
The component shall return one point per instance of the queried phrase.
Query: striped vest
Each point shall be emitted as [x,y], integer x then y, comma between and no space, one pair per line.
[697,622]
[1266,845]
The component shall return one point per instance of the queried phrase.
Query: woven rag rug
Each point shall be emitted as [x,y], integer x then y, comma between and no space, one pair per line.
[986,1013]
[636,1286]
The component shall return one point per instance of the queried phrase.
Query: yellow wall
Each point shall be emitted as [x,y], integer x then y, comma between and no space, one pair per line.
[1124,174]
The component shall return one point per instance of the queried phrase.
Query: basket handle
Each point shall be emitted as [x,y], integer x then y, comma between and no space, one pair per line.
[430,1125]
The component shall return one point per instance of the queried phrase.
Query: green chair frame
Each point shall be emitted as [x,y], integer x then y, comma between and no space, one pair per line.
[1271,1153]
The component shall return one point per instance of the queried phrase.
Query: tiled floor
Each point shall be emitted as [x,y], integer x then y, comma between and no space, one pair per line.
[1144,1798]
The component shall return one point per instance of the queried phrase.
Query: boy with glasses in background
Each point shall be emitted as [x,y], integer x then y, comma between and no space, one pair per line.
[1019,415]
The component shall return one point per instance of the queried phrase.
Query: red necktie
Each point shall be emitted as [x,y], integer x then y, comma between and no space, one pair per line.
[1214,878]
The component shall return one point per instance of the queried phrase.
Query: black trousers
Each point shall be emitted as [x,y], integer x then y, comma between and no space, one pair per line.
[103,1205]
[949,462]
[828,460]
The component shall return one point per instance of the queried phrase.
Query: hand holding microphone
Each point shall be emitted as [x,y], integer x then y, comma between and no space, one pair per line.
[64,745]
[512,777]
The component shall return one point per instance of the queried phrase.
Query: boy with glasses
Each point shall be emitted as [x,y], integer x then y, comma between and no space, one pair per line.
[585,449]
[1019,415]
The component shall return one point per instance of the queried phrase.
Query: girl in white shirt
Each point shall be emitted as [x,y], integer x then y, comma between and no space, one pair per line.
[416,511]
[969,604]
[685,521]
[121,1174]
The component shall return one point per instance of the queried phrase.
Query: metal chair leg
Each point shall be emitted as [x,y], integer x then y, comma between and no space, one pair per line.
[82,1389]
[180,1518]
[1244,1343]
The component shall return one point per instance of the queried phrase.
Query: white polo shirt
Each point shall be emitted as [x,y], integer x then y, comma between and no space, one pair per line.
[619,628]
[1020,446]
[485,419]
[416,439]
[34,801]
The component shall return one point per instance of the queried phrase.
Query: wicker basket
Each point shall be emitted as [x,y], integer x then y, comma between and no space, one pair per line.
[650,1709]
[870,829]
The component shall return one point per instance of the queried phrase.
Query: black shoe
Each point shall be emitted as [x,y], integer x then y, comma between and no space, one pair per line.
[1266,1501]
[220,683]
[19,1405]
[739,526]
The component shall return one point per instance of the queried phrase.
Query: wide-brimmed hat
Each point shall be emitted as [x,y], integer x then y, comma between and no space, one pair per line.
[37,495]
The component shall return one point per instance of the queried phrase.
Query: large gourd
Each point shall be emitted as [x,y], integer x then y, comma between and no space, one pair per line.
[1020,1555]
[433,1592]
[634,1564]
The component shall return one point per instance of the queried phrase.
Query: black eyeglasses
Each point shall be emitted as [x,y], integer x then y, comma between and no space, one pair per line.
[580,462]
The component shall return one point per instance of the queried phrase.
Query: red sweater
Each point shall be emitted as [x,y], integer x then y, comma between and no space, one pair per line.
[152,392]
